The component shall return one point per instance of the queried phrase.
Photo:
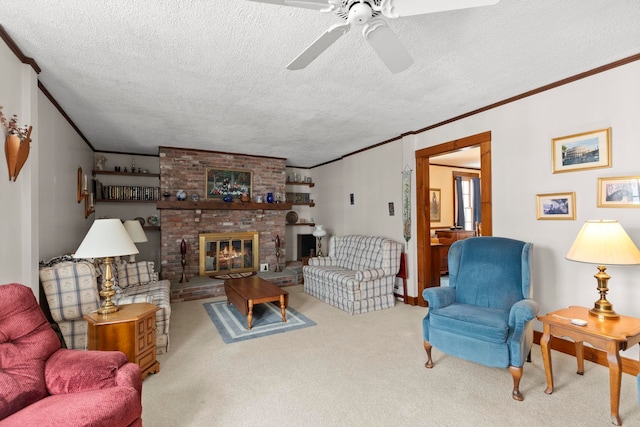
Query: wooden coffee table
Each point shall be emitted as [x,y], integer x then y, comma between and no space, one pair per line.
[246,292]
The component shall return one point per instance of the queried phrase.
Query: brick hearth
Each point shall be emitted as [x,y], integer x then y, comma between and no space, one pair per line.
[201,287]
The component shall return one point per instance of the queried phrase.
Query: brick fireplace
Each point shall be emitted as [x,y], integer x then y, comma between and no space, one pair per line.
[184,169]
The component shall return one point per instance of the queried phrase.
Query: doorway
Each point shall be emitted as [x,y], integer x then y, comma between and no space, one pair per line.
[481,140]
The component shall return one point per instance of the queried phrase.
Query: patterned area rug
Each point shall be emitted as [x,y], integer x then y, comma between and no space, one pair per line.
[233,275]
[267,320]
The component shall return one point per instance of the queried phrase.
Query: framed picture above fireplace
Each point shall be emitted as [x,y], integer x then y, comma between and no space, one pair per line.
[220,183]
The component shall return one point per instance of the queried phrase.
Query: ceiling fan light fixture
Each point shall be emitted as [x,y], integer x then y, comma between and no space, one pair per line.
[360,13]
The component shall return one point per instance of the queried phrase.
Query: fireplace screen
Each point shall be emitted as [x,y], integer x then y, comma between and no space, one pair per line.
[228,253]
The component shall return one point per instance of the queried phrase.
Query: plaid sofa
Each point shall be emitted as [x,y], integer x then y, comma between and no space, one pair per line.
[71,288]
[358,275]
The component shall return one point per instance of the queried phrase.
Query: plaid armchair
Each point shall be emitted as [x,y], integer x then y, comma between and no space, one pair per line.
[358,275]
[71,288]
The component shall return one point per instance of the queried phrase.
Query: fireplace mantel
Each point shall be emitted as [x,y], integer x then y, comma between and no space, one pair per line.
[220,205]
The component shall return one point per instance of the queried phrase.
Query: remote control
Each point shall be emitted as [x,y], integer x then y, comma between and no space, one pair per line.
[579,322]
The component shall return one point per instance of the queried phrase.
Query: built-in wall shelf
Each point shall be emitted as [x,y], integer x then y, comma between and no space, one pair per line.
[124,201]
[150,175]
[310,184]
[310,224]
[220,205]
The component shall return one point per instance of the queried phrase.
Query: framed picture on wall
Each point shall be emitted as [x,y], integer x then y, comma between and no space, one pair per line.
[556,206]
[435,204]
[587,150]
[619,192]
[220,183]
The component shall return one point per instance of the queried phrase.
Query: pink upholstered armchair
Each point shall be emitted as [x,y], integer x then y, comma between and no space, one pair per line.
[44,385]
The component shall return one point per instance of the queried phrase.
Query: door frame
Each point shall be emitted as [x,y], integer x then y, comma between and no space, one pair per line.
[482,140]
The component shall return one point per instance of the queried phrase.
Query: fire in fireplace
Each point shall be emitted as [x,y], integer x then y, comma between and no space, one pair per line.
[228,253]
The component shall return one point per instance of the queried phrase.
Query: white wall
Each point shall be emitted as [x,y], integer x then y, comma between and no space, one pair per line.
[62,151]
[374,177]
[39,215]
[18,200]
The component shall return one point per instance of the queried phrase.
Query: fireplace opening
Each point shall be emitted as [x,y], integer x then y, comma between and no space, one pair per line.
[306,246]
[228,253]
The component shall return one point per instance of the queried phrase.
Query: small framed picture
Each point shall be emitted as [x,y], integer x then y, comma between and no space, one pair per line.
[619,192]
[392,209]
[556,206]
[434,204]
[587,150]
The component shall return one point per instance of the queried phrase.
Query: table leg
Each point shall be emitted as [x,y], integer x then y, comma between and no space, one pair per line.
[615,378]
[250,314]
[580,357]
[546,357]
[283,308]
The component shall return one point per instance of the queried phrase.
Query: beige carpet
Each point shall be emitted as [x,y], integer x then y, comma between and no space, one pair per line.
[363,370]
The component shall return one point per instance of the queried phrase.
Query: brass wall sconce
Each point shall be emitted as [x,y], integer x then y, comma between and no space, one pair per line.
[83,194]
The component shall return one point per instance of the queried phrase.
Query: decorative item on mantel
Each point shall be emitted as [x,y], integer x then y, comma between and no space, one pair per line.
[269,197]
[16,144]
[278,269]
[183,261]
[319,233]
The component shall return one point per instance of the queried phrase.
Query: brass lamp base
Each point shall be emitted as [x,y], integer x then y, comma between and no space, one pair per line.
[107,292]
[602,308]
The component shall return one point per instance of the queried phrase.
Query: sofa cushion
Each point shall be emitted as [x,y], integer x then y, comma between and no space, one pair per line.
[71,289]
[134,274]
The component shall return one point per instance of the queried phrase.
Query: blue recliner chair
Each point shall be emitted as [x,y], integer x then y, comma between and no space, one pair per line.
[485,313]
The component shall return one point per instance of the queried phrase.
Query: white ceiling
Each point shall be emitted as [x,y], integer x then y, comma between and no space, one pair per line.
[134,74]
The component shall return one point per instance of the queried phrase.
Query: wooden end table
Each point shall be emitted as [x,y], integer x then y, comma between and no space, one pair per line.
[130,330]
[245,292]
[610,335]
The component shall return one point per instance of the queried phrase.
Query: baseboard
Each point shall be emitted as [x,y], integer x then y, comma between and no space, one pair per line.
[629,366]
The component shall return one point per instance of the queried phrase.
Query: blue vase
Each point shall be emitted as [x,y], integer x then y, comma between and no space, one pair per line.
[269,197]
[227,199]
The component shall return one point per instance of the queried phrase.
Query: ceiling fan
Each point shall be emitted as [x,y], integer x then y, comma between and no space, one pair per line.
[367,13]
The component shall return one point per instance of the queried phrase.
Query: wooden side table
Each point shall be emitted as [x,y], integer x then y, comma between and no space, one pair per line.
[610,335]
[131,330]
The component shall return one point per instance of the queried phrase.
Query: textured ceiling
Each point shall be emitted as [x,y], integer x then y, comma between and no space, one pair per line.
[134,75]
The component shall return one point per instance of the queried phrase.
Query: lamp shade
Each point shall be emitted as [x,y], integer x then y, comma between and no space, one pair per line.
[106,238]
[319,231]
[604,242]
[135,231]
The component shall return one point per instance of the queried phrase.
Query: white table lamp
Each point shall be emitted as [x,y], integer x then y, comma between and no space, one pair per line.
[603,242]
[106,239]
[319,233]
[135,231]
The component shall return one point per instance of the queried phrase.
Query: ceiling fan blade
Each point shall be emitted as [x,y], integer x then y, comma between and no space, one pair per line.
[399,8]
[321,44]
[387,46]
[306,4]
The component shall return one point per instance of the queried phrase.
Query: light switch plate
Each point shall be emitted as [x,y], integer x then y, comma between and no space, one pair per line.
[264,267]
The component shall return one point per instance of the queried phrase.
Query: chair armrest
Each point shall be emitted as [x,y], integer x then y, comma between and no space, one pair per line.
[439,297]
[371,274]
[72,371]
[322,261]
[522,312]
